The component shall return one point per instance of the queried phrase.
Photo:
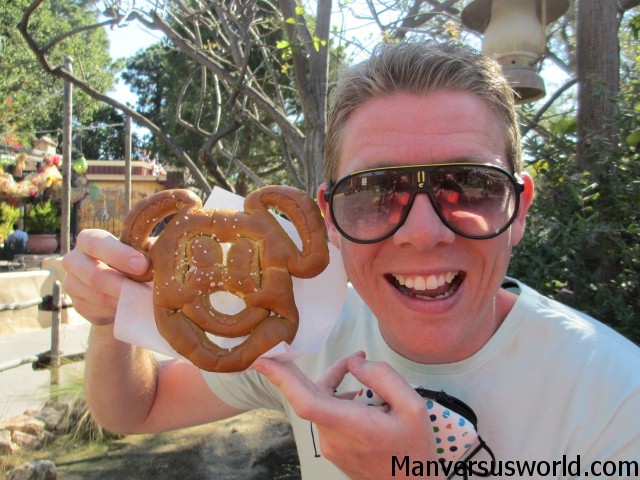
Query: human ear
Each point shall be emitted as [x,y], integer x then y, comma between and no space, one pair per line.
[526,199]
[333,233]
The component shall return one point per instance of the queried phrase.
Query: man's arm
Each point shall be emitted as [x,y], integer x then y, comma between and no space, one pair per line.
[128,391]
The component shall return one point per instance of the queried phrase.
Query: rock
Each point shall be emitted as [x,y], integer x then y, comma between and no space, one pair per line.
[7,447]
[35,470]
[50,416]
[57,405]
[27,440]
[25,424]
[72,414]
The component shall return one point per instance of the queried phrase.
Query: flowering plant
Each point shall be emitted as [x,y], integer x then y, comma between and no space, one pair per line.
[53,160]
[34,187]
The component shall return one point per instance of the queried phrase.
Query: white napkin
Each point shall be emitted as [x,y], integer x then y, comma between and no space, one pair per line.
[319,301]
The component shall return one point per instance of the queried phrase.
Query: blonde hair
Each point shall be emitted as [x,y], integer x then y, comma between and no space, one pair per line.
[421,68]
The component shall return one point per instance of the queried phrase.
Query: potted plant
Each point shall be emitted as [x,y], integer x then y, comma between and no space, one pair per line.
[42,223]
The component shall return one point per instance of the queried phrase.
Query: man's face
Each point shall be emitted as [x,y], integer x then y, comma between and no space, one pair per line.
[396,277]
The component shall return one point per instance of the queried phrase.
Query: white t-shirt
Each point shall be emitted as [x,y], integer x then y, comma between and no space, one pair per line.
[551,385]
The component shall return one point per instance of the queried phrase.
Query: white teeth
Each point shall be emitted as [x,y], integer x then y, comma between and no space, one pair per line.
[429,282]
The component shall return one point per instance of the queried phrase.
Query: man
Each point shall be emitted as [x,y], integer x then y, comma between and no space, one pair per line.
[425,200]
[16,242]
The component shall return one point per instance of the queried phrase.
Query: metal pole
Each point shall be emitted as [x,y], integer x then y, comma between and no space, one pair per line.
[65,225]
[55,339]
[17,362]
[127,164]
[55,324]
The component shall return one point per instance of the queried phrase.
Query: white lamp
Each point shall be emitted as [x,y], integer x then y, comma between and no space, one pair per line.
[514,35]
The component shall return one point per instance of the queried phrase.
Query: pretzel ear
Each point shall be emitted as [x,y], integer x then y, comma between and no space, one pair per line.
[145,215]
[305,215]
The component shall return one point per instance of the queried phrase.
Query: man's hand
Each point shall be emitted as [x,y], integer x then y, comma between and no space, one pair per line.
[94,277]
[360,440]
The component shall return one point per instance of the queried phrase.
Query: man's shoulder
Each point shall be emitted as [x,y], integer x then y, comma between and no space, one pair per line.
[574,329]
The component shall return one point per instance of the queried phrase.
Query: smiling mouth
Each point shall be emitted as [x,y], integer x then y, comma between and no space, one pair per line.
[428,287]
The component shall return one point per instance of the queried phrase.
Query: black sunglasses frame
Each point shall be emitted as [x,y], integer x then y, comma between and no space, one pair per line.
[421,184]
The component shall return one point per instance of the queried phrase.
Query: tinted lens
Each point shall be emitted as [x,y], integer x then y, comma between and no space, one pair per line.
[369,205]
[474,200]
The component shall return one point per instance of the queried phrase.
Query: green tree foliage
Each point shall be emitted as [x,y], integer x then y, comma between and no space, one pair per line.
[582,244]
[103,137]
[30,99]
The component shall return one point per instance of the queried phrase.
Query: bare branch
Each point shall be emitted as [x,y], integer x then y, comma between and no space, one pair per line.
[250,173]
[415,20]
[271,109]
[535,120]
[195,126]
[46,48]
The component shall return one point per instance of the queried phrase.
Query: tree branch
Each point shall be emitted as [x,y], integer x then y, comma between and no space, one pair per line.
[256,95]
[536,118]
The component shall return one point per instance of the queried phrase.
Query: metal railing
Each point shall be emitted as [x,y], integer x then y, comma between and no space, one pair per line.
[53,358]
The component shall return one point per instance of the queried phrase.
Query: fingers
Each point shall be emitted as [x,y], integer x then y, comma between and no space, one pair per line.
[334,375]
[349,430]
[317,401]
[93,280]
[313,399]
[294,384]
[103,246]
[94,287]
[354,436]
[386,383]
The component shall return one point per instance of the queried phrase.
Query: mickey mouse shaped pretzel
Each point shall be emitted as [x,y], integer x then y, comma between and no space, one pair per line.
[188,264]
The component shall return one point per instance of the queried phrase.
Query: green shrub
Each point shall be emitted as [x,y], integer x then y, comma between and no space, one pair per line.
[582,244]
[8,216]
[42,217]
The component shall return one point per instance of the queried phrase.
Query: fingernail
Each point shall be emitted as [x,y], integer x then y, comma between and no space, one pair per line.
[356,362]
[138,264]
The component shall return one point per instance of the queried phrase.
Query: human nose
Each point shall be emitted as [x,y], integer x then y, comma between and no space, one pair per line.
[423,228]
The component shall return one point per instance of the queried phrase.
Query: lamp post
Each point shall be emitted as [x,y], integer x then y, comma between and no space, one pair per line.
[514,34]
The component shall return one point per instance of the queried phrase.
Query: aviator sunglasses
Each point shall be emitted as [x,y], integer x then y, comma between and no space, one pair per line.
[474,200]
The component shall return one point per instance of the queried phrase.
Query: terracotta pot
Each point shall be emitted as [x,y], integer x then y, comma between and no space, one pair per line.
[42,243]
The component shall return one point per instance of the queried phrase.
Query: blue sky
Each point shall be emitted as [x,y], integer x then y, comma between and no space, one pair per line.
[126,42]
